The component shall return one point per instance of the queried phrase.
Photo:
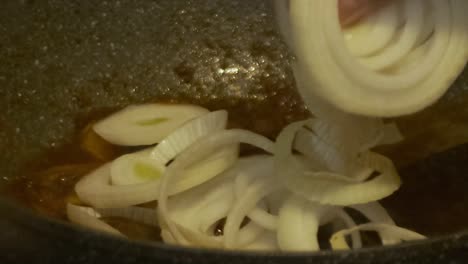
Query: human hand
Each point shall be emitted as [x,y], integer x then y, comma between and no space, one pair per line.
[353,10]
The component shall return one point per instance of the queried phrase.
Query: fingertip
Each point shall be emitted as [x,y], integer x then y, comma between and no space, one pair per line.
[351,11]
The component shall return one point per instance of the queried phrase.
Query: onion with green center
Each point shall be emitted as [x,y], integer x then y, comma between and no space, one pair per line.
[96,188]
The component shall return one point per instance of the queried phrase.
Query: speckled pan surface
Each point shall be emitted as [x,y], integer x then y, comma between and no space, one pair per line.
[62,60]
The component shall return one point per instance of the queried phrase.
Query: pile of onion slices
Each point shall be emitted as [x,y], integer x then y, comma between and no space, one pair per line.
[309,178]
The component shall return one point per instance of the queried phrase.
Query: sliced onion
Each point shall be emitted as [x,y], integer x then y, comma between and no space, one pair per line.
[95,188]
[334,136]
[377,214]
[263,219]
[247,235]
[149,164]
[338,240]
[196,211]
[288,193]
[197,151]
[391,135]
[200,208]
[326,156]
[329,188]
[261,166]
[135,168]
[167,237]
[188,134]
[265,242]
[363,84]
[143,215]
[252,195]
[206,169]
[185,208]
[374,212]
[413,12]
[373,33]
[252,168]
[326,189]
[349,222]
[78,216]
[298,225]
[198,239]
[145,124]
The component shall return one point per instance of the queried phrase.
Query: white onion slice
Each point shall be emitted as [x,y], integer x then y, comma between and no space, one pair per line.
[377,214]
[142,215]
[196,211]
[263,219]
[206,169]
[373,33]
[95,188]
[345,132]
[135,168]
[145,124]
[78,216]
[329,188]
[374,212]
[363,84]
[298,225]
[138,168]
[338,240]
[391,134]
[167,237]
[413,13]
[349,222]
[259,189]
[197,151]
[186,135]
[261,166]
[265,242]
[247,235]
[335,190]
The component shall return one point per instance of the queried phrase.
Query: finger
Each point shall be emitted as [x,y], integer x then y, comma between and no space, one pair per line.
[352,10]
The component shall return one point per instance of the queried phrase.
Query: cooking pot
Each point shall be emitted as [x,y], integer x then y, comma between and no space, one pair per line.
[62,62]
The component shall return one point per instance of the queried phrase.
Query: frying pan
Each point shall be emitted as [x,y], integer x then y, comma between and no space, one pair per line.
[64,61]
